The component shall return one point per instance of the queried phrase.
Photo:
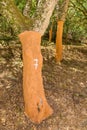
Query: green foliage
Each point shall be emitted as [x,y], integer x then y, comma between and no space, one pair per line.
[33,8]
[76,21]
[75,26]
[20,4]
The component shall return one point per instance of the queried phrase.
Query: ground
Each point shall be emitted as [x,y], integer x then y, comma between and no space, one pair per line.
[65,87]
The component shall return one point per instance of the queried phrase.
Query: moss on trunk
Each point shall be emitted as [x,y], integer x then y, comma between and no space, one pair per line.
[20,23]
[9,10]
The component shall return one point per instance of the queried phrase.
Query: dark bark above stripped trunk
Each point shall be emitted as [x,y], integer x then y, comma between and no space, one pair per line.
[39,22]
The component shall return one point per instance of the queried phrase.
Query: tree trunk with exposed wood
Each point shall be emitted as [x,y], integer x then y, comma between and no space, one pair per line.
[60,23]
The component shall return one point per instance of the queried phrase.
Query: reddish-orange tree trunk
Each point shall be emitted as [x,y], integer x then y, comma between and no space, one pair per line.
[59,46]
[62,16]
[50,33]
[36,106]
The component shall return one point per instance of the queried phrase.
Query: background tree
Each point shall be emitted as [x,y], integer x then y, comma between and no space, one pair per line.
[61,19]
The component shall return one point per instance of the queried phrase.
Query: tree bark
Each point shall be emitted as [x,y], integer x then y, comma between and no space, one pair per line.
[43,14]
[64,10]
[39,22]
[27,8]
[9,10]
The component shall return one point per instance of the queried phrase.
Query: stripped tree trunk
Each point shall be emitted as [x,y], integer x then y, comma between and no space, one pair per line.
[50,33]
[36,106]
[59,47]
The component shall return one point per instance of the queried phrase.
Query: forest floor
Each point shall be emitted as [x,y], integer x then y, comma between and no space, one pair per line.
[65,87]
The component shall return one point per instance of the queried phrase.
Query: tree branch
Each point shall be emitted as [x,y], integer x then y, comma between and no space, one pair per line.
[64,10]
[27,8]
[42,16]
